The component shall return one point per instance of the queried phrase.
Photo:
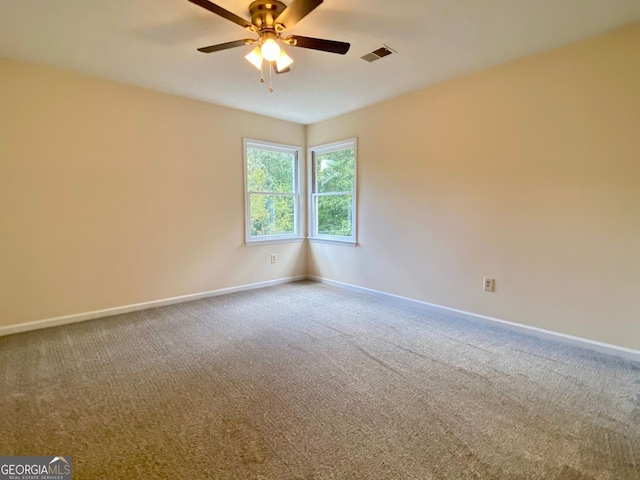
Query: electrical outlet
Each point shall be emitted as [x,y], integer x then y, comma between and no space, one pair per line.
[273,258]
[489,284]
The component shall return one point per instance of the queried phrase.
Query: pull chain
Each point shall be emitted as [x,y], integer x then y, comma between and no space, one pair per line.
[270,84]
[262,75]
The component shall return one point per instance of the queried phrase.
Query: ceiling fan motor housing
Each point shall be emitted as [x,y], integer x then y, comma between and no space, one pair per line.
[265,12]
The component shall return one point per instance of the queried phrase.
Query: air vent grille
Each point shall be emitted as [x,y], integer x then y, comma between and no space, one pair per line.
[378,53]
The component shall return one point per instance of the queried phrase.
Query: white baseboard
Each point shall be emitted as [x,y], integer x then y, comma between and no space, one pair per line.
[108,312]
[610,349]
[626,353]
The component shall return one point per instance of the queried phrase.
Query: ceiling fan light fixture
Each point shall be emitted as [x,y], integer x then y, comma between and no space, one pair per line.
[255,58]
[269,20]
[270,50]
[283,61]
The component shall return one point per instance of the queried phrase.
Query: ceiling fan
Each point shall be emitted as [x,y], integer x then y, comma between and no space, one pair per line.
[269,19]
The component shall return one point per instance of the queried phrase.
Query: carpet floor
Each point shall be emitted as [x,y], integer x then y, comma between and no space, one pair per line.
[308,381]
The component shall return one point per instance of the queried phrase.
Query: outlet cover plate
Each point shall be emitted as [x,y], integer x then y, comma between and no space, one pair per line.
[489,284]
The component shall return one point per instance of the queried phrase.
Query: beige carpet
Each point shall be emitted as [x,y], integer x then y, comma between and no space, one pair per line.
[307,381]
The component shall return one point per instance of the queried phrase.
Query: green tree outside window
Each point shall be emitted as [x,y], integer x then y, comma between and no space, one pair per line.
[271,191]
[334,191]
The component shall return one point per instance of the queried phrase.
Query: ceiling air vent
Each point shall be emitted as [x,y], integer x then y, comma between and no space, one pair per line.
[378,53]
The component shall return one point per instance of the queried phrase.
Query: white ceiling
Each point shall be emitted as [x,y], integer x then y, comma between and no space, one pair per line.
[152,43]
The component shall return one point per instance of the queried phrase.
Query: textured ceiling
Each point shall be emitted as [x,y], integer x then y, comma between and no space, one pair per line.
[152,43]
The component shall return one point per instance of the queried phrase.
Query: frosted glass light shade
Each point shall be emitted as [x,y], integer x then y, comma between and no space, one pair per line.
[283,61]
[255,57]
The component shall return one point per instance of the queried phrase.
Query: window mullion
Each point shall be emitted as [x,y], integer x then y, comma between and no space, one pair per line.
[274,194]
[328,194]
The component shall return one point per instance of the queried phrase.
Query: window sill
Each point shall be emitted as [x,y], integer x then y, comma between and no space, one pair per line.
[332,241]
[271,241]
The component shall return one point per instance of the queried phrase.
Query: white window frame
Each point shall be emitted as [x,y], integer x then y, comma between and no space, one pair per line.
[282,148]
[314,236]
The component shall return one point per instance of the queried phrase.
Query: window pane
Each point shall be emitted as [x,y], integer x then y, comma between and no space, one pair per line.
[271,215]
[334,215]
[269,171]
[335,171]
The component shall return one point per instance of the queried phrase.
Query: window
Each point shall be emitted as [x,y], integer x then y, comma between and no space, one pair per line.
[272,193]
[332,203]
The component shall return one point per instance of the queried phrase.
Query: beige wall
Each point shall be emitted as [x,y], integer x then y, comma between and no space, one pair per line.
[112,195]
[528,172]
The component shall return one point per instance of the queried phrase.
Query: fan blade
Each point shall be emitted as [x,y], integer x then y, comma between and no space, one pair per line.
[212,7]
[225,46]
[296,11]
[330,46]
